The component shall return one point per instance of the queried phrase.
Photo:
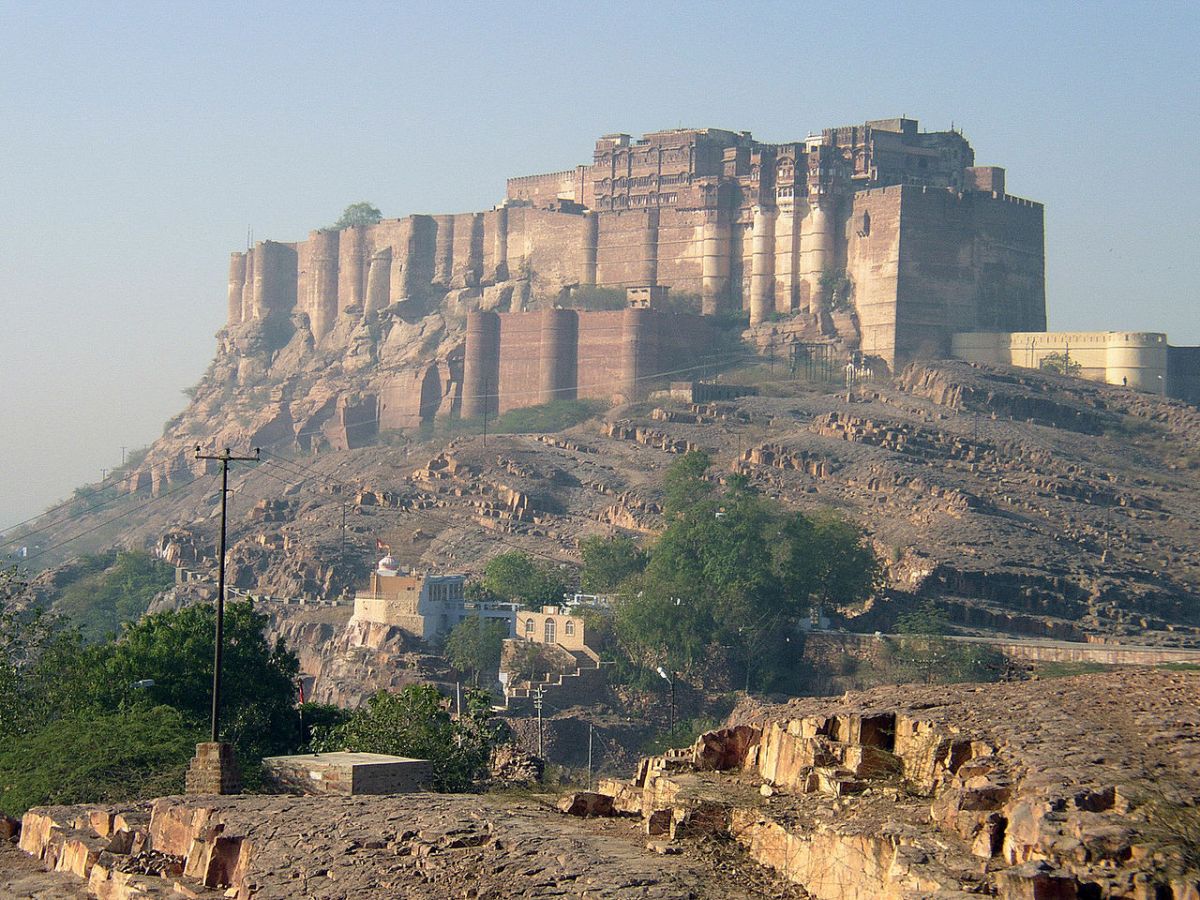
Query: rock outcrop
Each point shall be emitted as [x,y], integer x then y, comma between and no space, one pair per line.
[1079,788]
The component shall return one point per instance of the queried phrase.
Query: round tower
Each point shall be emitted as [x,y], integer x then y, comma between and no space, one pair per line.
[323,307]
[237,283]
[557,363]
[481,364]
[762,272]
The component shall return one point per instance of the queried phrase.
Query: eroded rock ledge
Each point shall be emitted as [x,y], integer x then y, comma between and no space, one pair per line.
[1072,788]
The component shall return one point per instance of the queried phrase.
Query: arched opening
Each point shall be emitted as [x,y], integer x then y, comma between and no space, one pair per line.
[570,629]
[529,628]
[551,632]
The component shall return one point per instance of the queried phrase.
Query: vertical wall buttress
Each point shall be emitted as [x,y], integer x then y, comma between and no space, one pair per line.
[591,247]
[762,272]
[237,283]
[481,366]
[715,266]
[649,269]
[558,355]
[500,244]
[324,304]
[379,281]
[639,350]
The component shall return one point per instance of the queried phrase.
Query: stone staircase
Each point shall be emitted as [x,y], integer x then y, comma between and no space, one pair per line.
[581,687]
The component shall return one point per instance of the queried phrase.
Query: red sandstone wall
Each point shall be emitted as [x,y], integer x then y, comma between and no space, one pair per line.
[600,355]
[680,250]
[520,358]
[966,262]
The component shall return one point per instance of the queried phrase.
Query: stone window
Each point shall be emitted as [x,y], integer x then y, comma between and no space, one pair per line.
[551,632]
[569,628]
[529,627]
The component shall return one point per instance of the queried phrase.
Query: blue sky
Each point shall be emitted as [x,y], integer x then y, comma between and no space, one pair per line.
[140,140]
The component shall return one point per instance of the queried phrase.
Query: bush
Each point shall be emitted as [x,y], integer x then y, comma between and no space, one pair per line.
[546,418]
[141,751]
[415,723]
[100,602]
[516,576]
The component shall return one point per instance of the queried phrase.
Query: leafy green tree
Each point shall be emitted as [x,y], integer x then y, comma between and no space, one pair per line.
[516,576]
[416,722]
[609,561]
[735,572]
[88,757]
[684,485]
[1060,364]
[175,649]
[474,644]
[361,213]
[102,601]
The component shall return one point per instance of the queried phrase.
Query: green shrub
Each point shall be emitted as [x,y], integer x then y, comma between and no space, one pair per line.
[141,751]
[557,415]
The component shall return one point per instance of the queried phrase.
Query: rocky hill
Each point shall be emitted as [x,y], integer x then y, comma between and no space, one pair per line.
[1022,502]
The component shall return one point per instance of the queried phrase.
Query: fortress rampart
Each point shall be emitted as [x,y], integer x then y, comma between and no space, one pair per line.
[895,226]
[522,359]
[1135,359]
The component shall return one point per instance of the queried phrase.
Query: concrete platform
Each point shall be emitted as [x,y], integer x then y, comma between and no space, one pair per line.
[349,773]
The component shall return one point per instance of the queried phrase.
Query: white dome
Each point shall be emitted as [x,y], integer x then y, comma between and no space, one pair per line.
[389,565]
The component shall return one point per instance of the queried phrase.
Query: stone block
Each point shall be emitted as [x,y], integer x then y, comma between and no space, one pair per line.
[587,803]
[349,773]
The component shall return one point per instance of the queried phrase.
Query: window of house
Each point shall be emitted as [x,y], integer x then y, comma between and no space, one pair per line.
[529,626]
[570,628]
[551,632]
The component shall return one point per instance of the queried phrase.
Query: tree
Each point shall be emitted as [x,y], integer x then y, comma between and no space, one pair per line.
[100,602]
[361,213]
[415,722]
[1060,364]
[175,650]
[474,644]
[735,572]
[609,561]
[516,576]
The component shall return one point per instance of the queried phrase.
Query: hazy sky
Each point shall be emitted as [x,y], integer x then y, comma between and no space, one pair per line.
[138,141]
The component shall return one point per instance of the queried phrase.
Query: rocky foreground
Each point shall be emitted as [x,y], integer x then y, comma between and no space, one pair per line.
[1083,787]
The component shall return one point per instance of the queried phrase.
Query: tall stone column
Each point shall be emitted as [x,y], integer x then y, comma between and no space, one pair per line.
[443,267]
[649,267]
[324,305]
[557,365]
[591,248]
[500,244]
[352,265]
[817,252]
[762,271]
[248,288]
[787,257]
[475,251]
[237,283]
[379,281]
[714,273]
[258,302]
[481,365]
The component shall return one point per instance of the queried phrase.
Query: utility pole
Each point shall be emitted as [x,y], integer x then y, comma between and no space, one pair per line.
[123,449]
[591,728]
[343,556]
[537,704]
[224,458]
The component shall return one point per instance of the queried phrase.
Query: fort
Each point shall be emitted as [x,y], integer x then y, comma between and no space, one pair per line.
[879,239]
